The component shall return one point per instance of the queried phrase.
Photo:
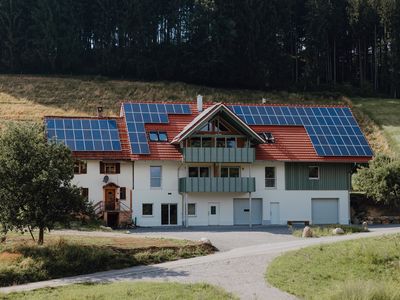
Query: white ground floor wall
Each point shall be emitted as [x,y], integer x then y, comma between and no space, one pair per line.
[292,206]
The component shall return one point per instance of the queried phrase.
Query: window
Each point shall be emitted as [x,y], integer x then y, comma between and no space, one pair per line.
[191,209]
[155,176]
[230,172]
[85,193]
[221,142]
[122,193]
[313,172]
[147,209]
[270,180]
[215,125]
[80,167]
[158,136]
[199,172]
[231,142]
[109,168]
[268,137]
[206,142]
[195,142]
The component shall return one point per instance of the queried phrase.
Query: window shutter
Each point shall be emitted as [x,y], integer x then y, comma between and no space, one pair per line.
[117,168]
[102,168]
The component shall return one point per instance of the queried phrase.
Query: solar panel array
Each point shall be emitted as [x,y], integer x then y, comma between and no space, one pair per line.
[333,130]
[85,134]
[138,114]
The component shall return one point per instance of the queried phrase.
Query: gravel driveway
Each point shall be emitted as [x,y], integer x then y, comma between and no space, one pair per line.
[240,270]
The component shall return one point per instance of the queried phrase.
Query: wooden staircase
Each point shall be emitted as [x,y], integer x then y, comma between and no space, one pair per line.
[124,213]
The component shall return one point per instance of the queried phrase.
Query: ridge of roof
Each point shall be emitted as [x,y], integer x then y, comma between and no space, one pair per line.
[236,103]
[208,113]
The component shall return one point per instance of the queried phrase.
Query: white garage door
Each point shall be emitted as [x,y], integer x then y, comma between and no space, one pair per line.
[325,211]
[241,211]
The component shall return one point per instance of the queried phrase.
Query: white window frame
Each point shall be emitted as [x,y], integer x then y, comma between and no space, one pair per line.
[152,210]
[195,210]
[156,187]
[265,179]
[313,178]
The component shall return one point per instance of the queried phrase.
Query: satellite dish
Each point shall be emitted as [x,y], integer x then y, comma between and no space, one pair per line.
[105,179]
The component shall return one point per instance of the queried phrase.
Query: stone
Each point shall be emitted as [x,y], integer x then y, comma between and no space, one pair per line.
[205,240]
[307,232]
[338,230]
[105,228]
[365,226]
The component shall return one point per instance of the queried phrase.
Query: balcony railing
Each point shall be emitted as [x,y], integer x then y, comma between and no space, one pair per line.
[222,155]
[217,184]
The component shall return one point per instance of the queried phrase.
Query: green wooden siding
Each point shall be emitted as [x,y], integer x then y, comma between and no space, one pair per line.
[332,176]
[217,184]
[223,155]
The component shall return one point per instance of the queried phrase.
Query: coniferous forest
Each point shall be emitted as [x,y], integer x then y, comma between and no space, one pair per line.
[302,45]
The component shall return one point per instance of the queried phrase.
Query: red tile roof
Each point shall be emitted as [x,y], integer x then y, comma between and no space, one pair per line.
[292,143]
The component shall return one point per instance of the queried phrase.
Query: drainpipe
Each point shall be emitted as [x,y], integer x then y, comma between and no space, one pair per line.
[183,196]
[250,210]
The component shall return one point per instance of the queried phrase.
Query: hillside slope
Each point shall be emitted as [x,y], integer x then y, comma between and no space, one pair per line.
[29,98]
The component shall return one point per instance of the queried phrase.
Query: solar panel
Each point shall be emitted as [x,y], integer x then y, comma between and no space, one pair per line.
[138,114]
[85,134]
[333,130]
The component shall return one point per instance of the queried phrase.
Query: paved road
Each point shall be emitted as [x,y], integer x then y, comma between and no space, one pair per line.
[240,270]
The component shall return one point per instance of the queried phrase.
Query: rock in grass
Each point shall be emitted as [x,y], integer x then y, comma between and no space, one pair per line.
[105,228]
[307,232]
[205,240]
[365,226]
[338,230]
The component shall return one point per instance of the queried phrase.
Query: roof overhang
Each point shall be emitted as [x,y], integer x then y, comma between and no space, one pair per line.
[207,115]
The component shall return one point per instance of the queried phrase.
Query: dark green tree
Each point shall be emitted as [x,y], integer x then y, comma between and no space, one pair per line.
[380,180]
[35,176]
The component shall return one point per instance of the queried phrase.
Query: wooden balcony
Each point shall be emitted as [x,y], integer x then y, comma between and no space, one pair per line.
[219,155]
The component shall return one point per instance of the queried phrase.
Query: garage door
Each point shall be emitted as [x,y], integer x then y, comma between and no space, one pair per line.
[241,211]
[325,211]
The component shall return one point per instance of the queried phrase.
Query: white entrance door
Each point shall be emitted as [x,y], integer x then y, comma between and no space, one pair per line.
[213,213]
[274,213]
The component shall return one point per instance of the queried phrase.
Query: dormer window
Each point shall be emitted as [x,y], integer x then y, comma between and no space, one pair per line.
[158,136]
[215,125]
[268,137]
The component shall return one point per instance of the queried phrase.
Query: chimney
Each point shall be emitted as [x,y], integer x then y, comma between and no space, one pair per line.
[99,111]
[263,100]
[199,103]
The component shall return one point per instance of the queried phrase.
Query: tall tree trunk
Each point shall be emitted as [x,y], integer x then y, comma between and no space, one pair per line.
[360,62]
[41,236]
[334,62]
[375,63]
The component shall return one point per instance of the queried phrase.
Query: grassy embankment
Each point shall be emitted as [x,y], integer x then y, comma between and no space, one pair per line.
[363,269]
[22,261]
[125,291]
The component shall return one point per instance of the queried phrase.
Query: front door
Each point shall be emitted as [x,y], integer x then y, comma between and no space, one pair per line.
[213,213]
[274,213]
[169,214]
[110,199]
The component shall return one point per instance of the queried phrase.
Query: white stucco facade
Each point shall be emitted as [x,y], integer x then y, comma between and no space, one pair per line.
[135,177]
[293,205]
[94,181]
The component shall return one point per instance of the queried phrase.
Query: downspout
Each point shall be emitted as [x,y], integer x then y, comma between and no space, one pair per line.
[250,210]
[182,194]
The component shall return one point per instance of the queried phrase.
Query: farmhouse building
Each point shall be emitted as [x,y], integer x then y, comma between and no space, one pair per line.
[169,164]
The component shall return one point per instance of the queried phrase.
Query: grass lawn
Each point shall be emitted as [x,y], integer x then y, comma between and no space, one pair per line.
[361,269]
[127,290]
[23,261]
[385,112]
[319,231]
